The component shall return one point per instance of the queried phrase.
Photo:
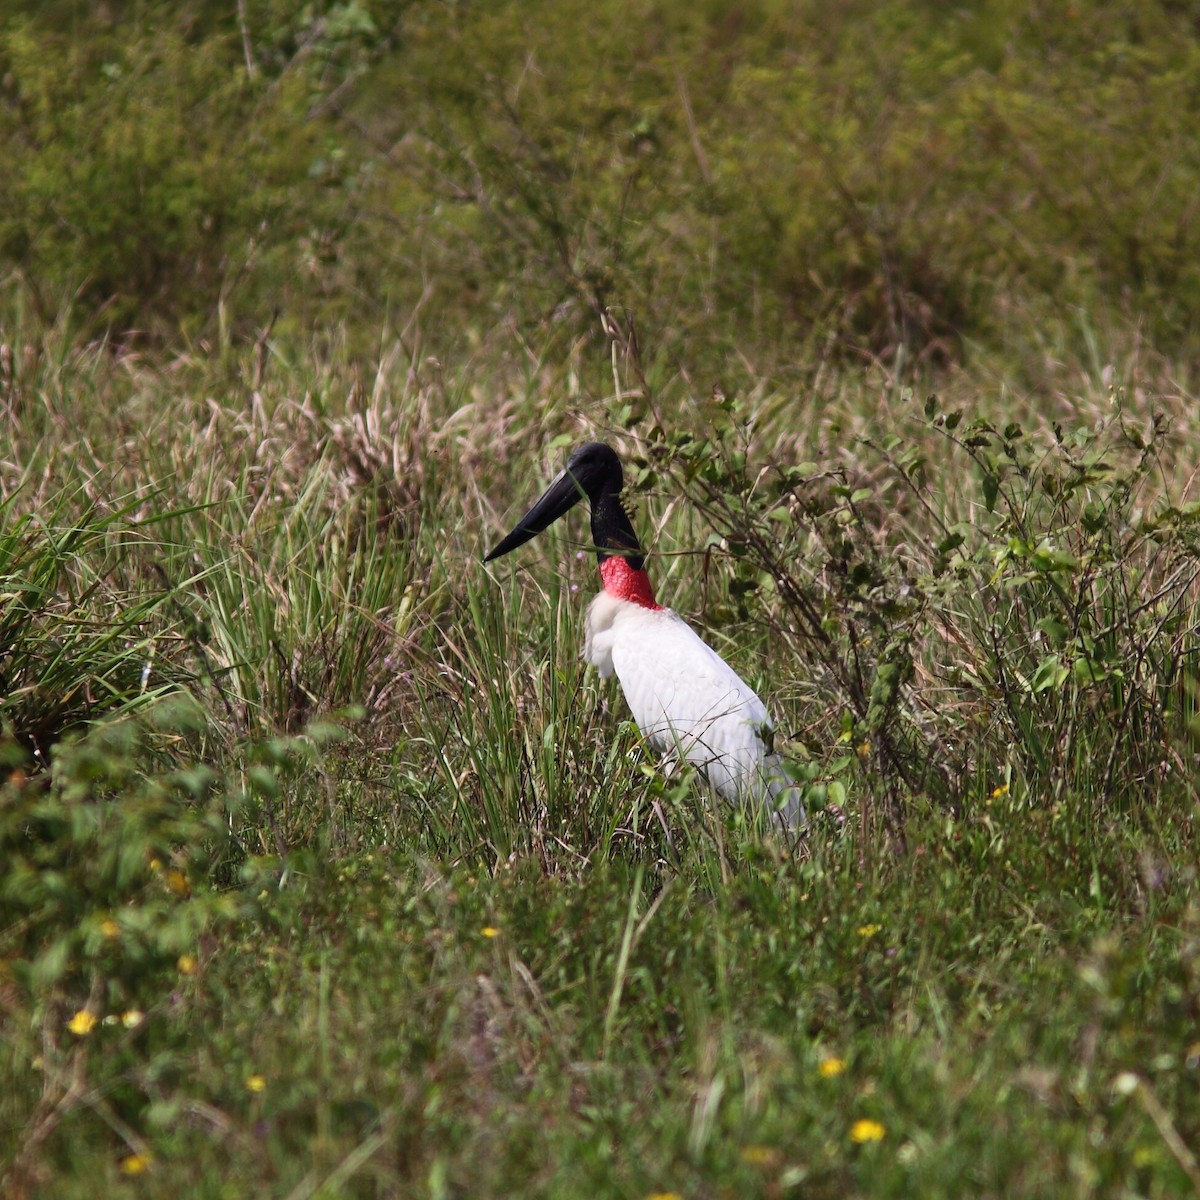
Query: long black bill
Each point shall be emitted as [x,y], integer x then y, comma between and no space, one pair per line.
[559,498]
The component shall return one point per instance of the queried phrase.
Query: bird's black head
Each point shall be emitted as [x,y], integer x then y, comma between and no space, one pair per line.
[596,470]
[592,472]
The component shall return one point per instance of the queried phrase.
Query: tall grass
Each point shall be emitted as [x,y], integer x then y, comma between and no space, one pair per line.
[395,902]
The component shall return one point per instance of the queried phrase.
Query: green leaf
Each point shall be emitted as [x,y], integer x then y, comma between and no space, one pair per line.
[1050,675]
[1087,670]
[1053,628]
[991,489]
[263,781]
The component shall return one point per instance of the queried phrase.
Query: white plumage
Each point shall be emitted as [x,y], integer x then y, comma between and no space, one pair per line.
[688,701]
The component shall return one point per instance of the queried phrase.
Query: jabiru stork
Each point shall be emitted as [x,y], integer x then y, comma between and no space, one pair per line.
[685,698]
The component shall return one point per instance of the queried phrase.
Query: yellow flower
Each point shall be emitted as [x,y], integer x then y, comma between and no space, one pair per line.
[82,1023]
[132,1018]
[110,928]
[829,1067]
[256,1083]
[1002,790]
[187,964]
[135,1164]
[866,931]
[760,1156]
[867,1131]
[177,881]
[490,931]
[664,1196]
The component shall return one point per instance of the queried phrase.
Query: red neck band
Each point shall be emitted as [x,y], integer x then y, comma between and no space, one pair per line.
[626,583]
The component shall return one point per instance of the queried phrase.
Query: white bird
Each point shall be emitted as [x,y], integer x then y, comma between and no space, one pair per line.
[685,698]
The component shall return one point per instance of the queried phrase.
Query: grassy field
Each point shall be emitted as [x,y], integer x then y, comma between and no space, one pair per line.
[329,871]
[326,869]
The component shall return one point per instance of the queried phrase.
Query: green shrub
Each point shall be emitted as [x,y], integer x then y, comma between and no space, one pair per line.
[149,171]
[109,859]
[879,177]
[1038,616]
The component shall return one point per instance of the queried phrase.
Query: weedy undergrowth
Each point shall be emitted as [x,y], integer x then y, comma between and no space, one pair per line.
[81,636]
[977,606]
[125,867]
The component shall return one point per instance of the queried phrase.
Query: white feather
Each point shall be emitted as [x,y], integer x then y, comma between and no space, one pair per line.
[687,700]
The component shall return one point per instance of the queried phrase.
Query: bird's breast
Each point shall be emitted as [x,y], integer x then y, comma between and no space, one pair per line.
[610,618]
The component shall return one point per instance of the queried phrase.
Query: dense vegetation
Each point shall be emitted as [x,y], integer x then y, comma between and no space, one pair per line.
[767,175]
[325,869]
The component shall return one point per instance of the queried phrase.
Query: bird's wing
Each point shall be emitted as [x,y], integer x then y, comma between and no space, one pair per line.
[685,697]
